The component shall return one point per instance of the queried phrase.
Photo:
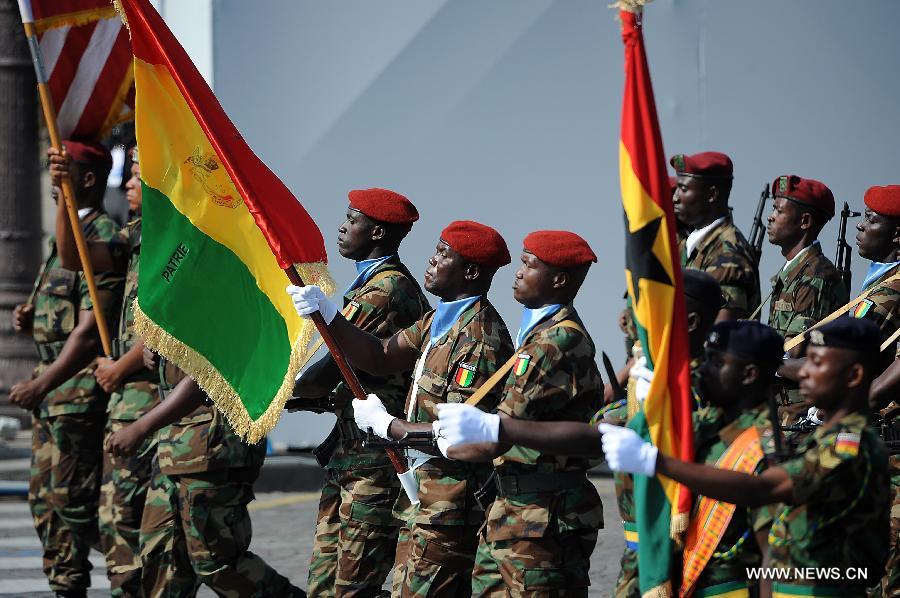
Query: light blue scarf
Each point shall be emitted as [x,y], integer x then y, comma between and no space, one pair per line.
[446,315]
[876,271]
[533,317]
[364,271]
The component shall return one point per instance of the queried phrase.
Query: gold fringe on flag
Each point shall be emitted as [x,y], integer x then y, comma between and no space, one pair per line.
[74,19]
[629,5]
[211,381]
[661,591]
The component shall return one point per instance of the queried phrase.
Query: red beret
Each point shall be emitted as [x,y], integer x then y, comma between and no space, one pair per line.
[704,164]
[383,205]
[477,243]
[808,192]
[884,200]
[559,248]
[89,152]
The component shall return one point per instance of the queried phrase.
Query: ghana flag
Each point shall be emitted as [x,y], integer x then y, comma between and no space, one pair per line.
[653,276]
[218,229]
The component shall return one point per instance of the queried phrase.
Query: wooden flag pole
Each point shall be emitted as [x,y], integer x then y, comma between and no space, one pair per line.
[341,361]
[68,191]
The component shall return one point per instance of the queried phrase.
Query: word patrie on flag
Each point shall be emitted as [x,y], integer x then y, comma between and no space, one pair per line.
[653,277]
[218,231]
[86,61]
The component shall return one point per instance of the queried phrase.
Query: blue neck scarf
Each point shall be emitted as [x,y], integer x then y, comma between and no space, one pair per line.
[533,317]
[446,315]
[876,271]
[364,271]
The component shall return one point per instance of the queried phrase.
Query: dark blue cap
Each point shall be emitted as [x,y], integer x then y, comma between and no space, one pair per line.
[749,339]
[856,334]
[703,288]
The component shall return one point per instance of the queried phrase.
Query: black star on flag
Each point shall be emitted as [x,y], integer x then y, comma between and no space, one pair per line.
[640,260]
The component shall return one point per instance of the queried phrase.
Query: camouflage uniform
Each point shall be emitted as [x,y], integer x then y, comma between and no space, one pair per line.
[195,527]
[725,255]
[839,512]
[67,428]
[436,548]
[356,533]
[806,291]
[542,528]
[125,479]
[737,550]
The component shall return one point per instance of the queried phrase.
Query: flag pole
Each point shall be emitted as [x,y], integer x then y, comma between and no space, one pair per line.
[341,360]
[68,191]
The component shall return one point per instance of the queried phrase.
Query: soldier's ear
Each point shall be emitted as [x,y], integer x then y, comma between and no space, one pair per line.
[751,374]
[712,193]
[473,271]
[856,375]
[693,320]
[806,220]
[88,179]
[560,280]
[378,232]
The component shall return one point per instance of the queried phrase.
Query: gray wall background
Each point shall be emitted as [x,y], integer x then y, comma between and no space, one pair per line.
[507,111]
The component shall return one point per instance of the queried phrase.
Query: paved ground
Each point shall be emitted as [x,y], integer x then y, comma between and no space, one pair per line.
[283,525]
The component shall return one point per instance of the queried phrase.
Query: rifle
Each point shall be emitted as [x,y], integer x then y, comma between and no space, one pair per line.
[844,252]
[412,440]
[757,230]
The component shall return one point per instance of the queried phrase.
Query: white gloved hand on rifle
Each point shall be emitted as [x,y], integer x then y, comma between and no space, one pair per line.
[626,451]
[459,423]
[371,415]
[310,299]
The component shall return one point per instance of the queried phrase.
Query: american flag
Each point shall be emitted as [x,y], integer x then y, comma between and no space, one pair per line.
[87,64]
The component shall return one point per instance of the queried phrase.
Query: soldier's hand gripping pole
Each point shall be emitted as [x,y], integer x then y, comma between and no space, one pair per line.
[844,251]
[406,475]
[758,229]
[68,191]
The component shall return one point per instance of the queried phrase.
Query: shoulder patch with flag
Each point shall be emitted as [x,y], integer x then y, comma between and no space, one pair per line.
[465,375]
[862,308]
[351,309]
[847,444]
[522,364]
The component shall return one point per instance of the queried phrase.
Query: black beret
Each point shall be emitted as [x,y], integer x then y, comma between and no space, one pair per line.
[750,339]
[857,334]
[703,288]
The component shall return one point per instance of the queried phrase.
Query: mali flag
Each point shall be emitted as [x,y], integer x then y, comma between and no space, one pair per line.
[653,276]
[218,229]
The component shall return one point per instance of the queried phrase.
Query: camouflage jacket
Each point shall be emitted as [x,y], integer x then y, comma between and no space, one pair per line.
[725,254]
[59,295]
[838,515]
[882,305]
[459,362]
[202,440]
[555,378]
[737,549]
[390,301]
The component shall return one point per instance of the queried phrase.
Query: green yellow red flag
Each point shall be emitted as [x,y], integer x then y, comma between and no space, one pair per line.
[653,276]
[218,229]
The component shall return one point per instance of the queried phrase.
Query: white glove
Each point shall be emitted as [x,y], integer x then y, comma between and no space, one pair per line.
[813,416]
[371,415]
[442,443]
[642,376]
[459,423]
[310,299]
[626,451]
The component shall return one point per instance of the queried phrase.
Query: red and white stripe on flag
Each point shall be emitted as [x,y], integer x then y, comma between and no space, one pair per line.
[87,63]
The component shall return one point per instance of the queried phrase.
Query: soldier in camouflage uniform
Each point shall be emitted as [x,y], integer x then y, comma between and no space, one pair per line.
[125,481]
[808,287]
[67,427]
[356,533]
[196,527]
[541,530]
[715,244]
[455,348]
[834,492]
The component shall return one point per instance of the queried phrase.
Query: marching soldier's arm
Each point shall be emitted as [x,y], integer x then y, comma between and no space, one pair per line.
[110,373]
[886,387]
[318,380]
[574,439]
[772,486]
[98,251]
[727,314]
[370,353]
[79,350]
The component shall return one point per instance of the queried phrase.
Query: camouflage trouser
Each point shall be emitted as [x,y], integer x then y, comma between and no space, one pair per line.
[435,560]
[62,494]
[166,568]
[549,566]
[203,517]
[890,585]
[627,582]
[125,482]
[356,534]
